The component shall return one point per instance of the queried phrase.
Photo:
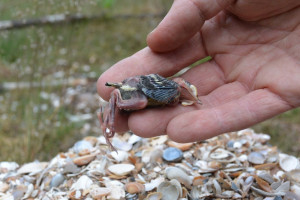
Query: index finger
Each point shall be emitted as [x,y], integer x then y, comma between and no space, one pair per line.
[146,61]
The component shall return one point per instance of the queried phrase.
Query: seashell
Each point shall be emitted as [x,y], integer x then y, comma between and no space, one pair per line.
[91,139]
[263,184]
[121,145]
[84,160]
[266,166]
[82,146]
[134,139]
[154,196]
[8,166]
[121,169]
[75,195]
[99,192]
[199,180]
[70,167]
[170,190]
[284,187]
[117,189]
[157,141]
[57,180]
[296,189]
[181,146]
[265,194]
[221,155]
[154,183]
[256,158]
[84,182]
[203,167]
[267,177]
[172,154]
[3,187]
[179,175]
[288,163]
[294,175]
[119,156]
[30,189]
[33,167]
[134,187]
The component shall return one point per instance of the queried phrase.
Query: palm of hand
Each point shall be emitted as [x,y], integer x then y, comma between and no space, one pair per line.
[252,77]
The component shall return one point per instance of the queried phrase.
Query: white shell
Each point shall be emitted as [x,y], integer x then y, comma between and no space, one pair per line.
[33,167]
[170,190]
[288,163]
[154,183]
[84,182]
[119,156]
[180,175]
[121,169]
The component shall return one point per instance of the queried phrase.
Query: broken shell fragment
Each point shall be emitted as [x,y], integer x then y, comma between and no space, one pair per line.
[179,175]
[84,160]
[181,146]
[121,169]
[221,155]
[99,192]
[134,187]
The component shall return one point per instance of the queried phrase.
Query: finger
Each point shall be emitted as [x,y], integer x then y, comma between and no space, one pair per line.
[235,115]
[147,62]
[184,19]
[154,122]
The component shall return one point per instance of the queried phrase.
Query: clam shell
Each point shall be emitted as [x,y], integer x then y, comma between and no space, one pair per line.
[33,167]
[121,169]
[288,163]
[170,190]
[256,158]
[82,146]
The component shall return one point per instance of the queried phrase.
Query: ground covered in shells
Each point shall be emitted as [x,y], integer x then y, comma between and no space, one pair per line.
[239,165]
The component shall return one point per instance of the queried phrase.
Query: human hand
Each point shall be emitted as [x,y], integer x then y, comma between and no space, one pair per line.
[254,74]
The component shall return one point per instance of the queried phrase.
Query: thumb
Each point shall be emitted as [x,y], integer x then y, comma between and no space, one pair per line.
[184,19]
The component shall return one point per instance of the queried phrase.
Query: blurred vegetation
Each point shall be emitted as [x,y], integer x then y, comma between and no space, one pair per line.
[34,122]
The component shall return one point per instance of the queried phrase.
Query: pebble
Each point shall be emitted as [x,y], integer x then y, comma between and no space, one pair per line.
[172,154]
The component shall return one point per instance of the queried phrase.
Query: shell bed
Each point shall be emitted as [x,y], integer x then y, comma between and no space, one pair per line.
[239,165]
